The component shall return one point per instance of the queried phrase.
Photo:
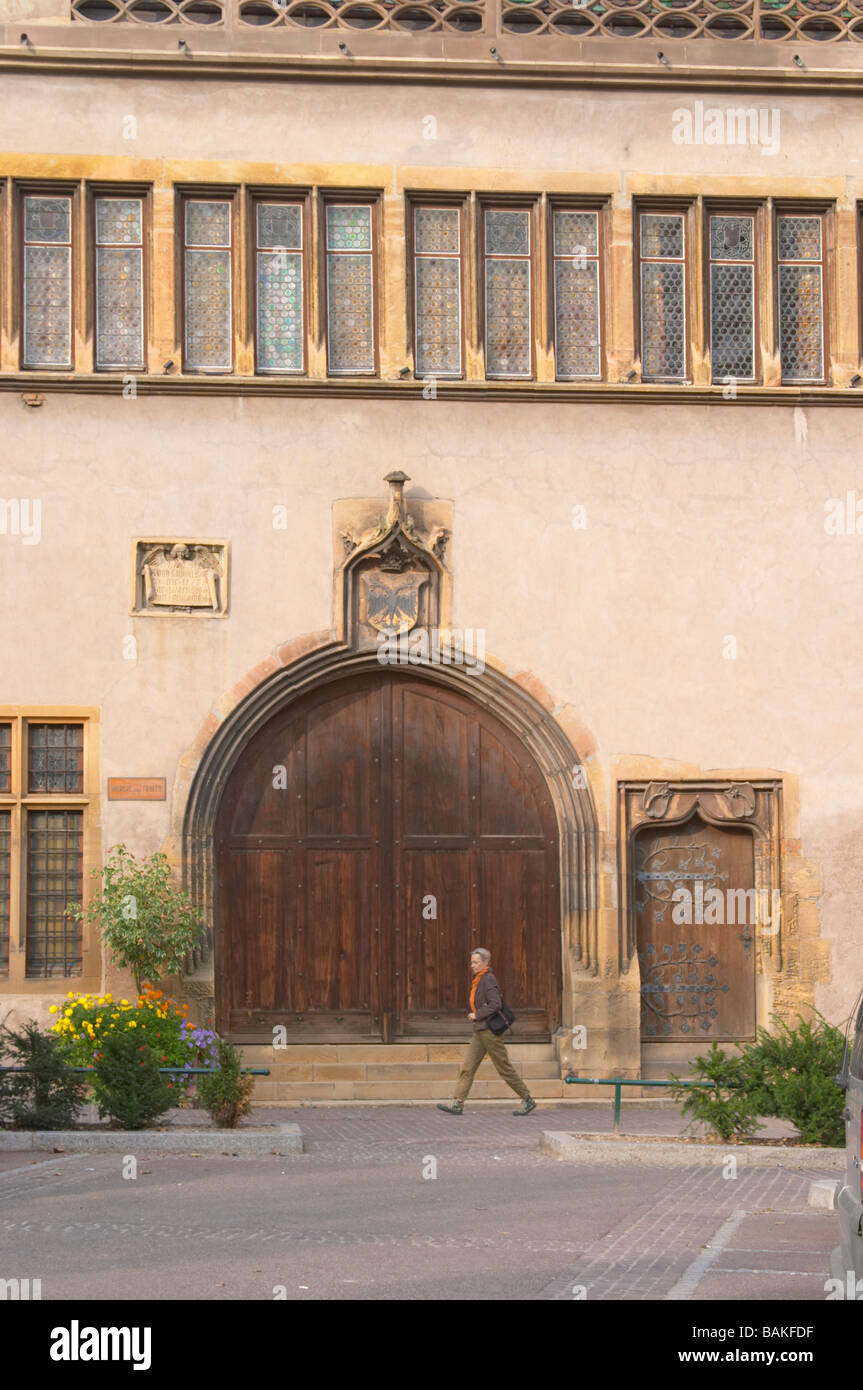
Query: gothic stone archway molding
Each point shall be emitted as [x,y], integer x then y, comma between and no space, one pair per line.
[537,729]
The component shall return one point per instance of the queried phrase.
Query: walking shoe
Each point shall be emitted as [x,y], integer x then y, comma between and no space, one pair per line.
[526,1106]
[455,1107]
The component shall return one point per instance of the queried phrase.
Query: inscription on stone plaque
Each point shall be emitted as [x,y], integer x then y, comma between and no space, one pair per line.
[180,577]
[136,788]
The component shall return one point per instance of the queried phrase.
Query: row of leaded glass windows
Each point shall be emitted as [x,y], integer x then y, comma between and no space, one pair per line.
[663,255]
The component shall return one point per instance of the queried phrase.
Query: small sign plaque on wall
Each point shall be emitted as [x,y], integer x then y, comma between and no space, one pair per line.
[136,788]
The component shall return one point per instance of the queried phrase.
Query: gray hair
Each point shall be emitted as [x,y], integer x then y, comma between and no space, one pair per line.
[483,954]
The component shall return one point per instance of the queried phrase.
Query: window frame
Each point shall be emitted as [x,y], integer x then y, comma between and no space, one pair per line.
[209,193]
[20,803]
[600,208]
[120,191]
[494,203]
[801,208]
[296,197]
[666,207]
[730,207]
[373,201]
[453,203]
[24,189]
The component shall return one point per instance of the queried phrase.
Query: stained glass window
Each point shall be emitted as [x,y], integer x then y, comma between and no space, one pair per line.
[56,758]
[507,245]
[208,285]
[350,290]
[5,882]
[576,294]
[663,296]
[732,298]
[119,283]
[54,879]
[801,297]
[279,286]
[47,282]
[5,757]
[437,289]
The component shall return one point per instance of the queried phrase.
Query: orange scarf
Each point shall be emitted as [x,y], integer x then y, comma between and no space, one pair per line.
[476,980]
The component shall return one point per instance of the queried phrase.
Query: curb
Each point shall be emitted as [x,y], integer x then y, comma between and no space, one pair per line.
[278,1139]
[596,1148]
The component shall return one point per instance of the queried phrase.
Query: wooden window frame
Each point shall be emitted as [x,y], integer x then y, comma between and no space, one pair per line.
[823,211]
[118,190]
[666,207]
[453,203]
[729,207]
[489,202]
[20,803]
[209,193]
[352,198]
[43,189]
[599,206]
[296,197]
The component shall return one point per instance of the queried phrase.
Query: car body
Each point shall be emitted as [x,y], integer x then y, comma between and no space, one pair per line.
[846,1261]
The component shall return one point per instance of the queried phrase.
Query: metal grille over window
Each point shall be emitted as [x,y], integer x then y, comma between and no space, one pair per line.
[48,282]
[350,296]
[437,272]
[5,882]
[663,297]
[54,879]
[208,285]
[507,293]
[119,283]
[576,294]
[801,298]
[732,298]
[56,758]
[279,272]
[5,757]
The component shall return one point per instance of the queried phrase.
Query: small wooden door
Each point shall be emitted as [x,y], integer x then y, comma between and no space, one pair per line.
[369,838]
[697,976]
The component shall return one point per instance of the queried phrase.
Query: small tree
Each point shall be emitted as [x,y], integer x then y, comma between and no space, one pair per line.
[148,926]
[47,1095]
[127,1084]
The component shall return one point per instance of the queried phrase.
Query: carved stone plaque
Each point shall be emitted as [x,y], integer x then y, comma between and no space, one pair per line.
[180,578]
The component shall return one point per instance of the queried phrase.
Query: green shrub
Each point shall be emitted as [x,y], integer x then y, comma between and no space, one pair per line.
[790,1074]
[127,1085]
[46,1096]
[726,1107]
[227,1094]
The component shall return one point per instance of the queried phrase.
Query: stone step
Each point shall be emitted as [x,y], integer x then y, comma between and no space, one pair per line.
[269,1092]
[394,1071]
[264,1055]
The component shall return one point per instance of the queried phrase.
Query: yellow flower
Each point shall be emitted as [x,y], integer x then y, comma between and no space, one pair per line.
[132,1023]
[53,1009]
[70,995]
[124,1001]
[68,1013]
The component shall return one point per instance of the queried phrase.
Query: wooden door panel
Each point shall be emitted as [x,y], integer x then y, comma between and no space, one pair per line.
[515,927]
[339,767]
[266,800]
[434,749]
[335,955]
[435,947]
[697,977]
[508,802]
[261,902]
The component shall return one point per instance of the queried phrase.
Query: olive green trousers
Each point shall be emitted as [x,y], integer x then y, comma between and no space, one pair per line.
[486,1043]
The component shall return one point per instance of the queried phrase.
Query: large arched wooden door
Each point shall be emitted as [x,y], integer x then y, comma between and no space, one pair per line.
[371,835]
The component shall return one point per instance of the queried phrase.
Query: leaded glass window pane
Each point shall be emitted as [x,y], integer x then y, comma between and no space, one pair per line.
[576,294]
[437,291]
[801,298]
[47,282]
[507,242]
[54,879]
[5,883]
[732,298]
[56,758]
[350,290]
[208,286]
[119,283]
[663,296]
[279,281]
[5,757]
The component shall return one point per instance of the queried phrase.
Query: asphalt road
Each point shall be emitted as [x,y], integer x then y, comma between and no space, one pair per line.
[359,1217]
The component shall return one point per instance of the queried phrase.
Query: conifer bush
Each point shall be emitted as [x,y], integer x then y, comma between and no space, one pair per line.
[128,1087]
[227,1094]
[47,1095]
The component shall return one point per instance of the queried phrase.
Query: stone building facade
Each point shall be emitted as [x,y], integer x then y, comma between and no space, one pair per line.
[458,400]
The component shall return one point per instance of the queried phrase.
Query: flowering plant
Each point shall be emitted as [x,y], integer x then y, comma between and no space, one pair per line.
[86,1020]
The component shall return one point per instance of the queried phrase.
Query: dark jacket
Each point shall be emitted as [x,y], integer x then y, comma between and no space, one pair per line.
[488,1000]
